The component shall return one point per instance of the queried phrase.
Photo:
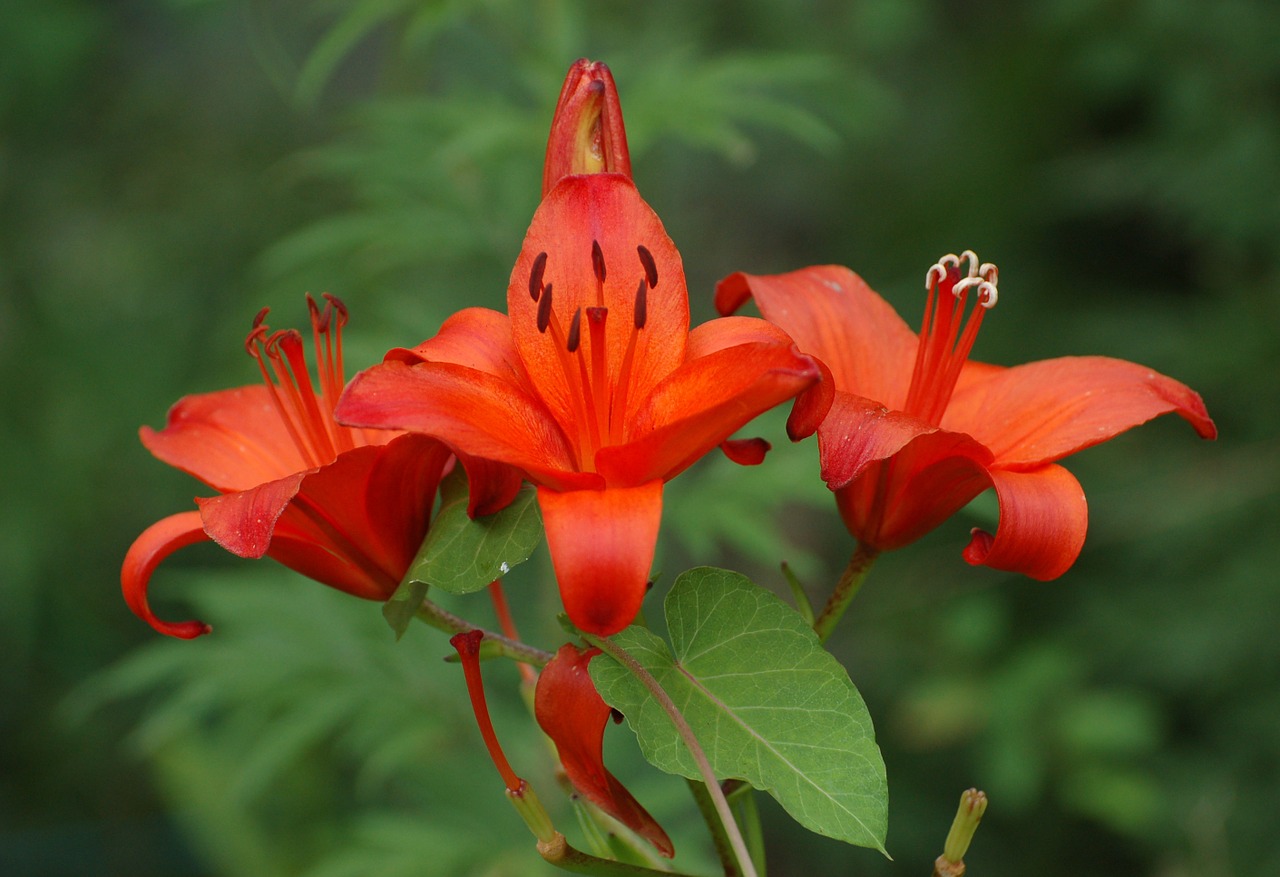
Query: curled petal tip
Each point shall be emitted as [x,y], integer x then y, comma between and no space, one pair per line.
[150,548]
[746,452]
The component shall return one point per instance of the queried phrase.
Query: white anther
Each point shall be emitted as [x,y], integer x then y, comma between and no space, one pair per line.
[989,272]
[972,258]
[986,294]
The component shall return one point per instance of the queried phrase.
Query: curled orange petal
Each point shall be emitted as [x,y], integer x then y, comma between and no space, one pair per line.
[147,551]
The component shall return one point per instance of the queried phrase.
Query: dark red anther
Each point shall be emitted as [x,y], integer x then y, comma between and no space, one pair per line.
[575,332]
[597,260]
[319,318]
[339,308]
[544,309]
[262,315]
[535,275]
[650,266]
[642,303]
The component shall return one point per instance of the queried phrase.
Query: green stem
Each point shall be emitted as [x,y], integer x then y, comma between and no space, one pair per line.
[613,650]
[442,619]
[707,807]
[846,589]
[558,852]
[748,816]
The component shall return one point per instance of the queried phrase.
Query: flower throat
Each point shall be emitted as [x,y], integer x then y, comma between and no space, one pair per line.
[599,394]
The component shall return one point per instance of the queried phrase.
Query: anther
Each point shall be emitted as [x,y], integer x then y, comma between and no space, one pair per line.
[535,275]
[597,260]
[544,309]
[642,301]
[575,332]
[650,267]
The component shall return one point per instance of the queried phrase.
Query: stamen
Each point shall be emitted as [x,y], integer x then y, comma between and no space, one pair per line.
[468,646]
[601,392]
[946,337]
[650,267]
[575,332]
[642,304]
[544,309]
[597,261]
[535,275]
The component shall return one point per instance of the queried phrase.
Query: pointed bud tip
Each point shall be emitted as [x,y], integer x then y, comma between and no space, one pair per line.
[587,134]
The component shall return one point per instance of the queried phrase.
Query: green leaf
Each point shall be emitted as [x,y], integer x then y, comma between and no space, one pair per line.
[461,555]
[403,605]
[765,701]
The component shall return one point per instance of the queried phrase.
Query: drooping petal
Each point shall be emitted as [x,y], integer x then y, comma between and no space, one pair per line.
[399,493]
[832,314]
[572,713]
[242,522]
[147,551]
[589,226]
[492,486]
[704,402]
[1043,518]
[231,440]
[479,413]
[587,134]
[1036,413]
[602,544]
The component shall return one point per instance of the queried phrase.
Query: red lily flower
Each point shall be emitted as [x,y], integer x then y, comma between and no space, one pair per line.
[571,712]
[592,385]
[346,507]
[916,429]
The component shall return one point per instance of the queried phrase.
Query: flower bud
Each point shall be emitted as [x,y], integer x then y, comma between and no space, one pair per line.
[587,135]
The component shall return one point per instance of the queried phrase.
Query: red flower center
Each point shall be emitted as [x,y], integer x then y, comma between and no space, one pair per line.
[599,394]
[946,335]
[307,415]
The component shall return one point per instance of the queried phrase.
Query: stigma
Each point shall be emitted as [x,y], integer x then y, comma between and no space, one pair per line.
[305,407]
[947,332]
[579,309]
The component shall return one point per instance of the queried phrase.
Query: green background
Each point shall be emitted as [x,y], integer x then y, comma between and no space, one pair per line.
[168,168]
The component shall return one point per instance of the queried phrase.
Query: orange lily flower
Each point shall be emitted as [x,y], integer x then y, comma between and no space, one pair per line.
[346,507]
[591,385]
[916,429]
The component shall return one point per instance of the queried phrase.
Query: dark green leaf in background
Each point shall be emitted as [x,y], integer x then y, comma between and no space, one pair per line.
[764,699]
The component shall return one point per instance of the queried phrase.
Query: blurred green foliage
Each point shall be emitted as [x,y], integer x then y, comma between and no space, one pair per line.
[167,168]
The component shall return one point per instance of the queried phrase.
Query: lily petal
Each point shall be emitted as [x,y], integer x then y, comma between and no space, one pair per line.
[571,712]
[583,216]
[485,415]
[478,338]
[242,522]
[147,551]
[1043,518]
[231,440]
[704,402]
[901,496]
[834,315]
[602,544]
[1040,412]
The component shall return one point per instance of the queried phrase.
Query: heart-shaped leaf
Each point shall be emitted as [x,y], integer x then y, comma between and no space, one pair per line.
[766,702]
